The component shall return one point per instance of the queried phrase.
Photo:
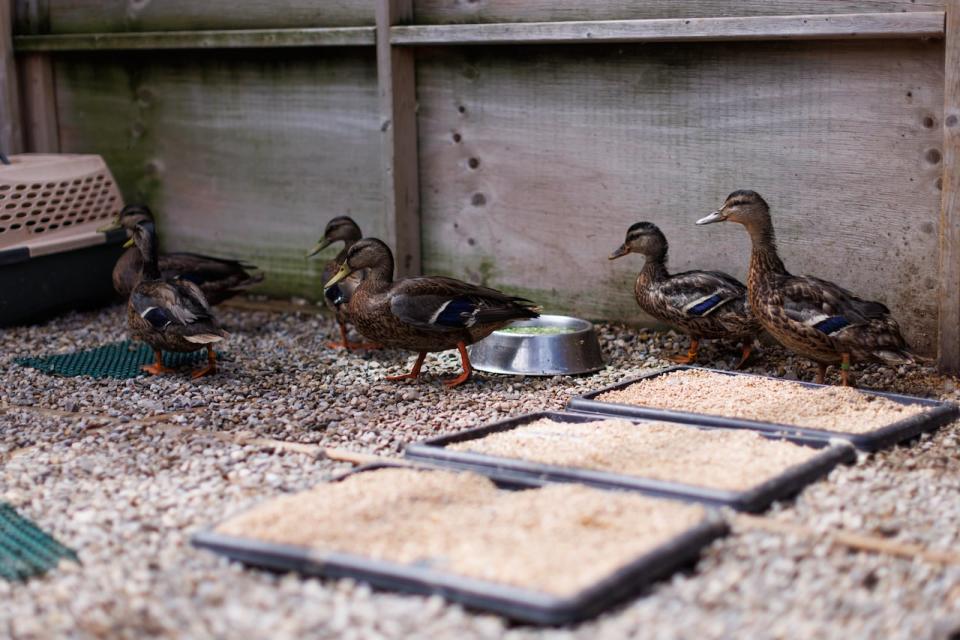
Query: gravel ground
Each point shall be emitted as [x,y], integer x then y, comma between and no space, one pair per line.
[126,471]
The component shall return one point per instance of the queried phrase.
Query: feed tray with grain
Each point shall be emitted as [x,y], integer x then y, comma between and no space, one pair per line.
[725,459]
[557,540]
[766,400]
[869,420]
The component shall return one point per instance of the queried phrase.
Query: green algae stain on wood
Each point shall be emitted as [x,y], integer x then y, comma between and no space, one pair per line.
[242,154]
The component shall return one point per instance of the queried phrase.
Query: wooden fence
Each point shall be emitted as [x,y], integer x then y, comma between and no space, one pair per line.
[247,124]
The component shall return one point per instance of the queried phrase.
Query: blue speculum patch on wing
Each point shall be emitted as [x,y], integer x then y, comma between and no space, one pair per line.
[157,317]
[832,324]
[195,278]
[334,294]
[703,307]
[455,313]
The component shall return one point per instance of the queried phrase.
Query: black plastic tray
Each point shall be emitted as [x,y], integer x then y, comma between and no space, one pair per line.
[512,602]
[940,413]
[756,499]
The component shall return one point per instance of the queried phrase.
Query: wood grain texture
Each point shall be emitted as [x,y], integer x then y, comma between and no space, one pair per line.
[41,131]
[398,124]
[243,154]
[535,160]
[96,16]
[949,321]
[224,39]
[458,11]
[11,140]
[928,24]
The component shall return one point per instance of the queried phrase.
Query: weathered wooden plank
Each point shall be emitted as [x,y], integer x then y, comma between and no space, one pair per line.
[458,11]
[928,24]
[41,132]
[535,160]
[949,319]
[243,154]
[232,39]
[95,16]
[10,133]
[398,109]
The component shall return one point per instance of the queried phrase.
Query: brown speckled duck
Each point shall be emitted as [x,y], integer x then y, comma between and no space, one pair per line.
[817,319]
[337,297]
[423,314]
[219,279]
[703,304]
[169,314]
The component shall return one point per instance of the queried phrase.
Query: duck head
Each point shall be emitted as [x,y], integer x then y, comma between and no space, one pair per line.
[340,228]
[130,216]
[369,253]
[644,238]
[744,207]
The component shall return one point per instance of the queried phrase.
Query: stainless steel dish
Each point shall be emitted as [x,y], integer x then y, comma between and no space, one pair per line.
[576,350]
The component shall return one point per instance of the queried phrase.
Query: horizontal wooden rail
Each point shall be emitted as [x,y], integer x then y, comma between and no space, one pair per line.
[231,39]
[921,24]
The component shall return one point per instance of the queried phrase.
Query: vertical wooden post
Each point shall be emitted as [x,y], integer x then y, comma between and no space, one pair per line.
[10,137]
[398,123]
[38,102]
[949,324]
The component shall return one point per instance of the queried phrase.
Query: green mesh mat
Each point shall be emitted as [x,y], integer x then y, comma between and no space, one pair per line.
[118,360]
[25,550]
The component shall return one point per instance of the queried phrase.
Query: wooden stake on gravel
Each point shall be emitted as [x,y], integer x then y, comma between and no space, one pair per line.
[856,541]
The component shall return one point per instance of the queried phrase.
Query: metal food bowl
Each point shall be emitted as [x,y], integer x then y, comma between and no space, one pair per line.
[540,354]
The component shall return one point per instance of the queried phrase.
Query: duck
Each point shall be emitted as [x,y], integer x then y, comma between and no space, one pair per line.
[219,279]
[169,314]
[337,297]
[815,318]
[702,304]
[425,314]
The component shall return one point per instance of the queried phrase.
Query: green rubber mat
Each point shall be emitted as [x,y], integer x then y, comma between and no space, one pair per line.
[118,360]
[26,550]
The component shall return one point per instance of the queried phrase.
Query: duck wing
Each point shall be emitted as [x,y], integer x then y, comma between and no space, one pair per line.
[696,294]
[163,304]
[826,306]
[446,304]
[220,279]
[205,267]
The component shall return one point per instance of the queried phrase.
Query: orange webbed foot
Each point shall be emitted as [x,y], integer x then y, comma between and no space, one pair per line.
[156,369]
[455,382]
[208,370]
[405,376]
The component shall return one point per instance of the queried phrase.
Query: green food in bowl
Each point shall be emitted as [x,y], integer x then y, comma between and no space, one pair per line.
[536,331]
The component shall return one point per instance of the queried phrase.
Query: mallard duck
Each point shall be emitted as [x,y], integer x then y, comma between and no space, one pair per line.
[219,279]
[423,314]
[703,304]
[169,314]
[341,228]
[815,318]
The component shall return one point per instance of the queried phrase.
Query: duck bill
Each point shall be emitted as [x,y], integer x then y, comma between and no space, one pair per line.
[129,243]
[716,216]
[343,273]
[115,224]
[323,244]
[619,253]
